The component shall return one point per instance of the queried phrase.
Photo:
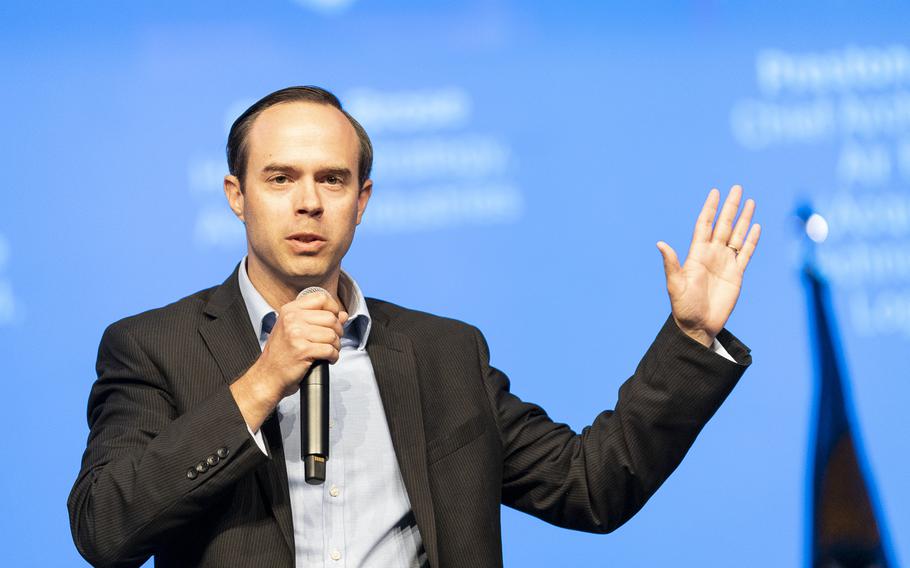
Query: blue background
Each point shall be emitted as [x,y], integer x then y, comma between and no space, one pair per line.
[582,133]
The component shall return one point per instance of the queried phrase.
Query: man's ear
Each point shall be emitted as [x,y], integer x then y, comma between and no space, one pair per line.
[234,195]
[366,190]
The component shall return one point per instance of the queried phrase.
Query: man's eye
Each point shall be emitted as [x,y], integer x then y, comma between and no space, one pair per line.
[280,179]
[333,180]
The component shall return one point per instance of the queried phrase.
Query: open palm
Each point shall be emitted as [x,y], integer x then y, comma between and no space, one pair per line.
[704,290]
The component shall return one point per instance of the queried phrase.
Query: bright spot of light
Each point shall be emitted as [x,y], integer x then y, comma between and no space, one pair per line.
[817,228]
[326,6]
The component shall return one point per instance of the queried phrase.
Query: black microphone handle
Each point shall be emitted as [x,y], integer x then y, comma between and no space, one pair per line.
[314,414]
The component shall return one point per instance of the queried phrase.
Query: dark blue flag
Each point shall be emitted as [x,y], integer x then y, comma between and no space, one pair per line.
[845,526]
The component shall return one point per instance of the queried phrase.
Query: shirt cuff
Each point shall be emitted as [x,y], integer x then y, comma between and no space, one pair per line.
[719,349]
[260,441]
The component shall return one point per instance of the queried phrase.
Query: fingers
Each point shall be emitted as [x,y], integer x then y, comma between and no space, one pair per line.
[724,225]
[306,336]
[319,309]
[315,334]
[314,343]
[316,301]
[310,328]
[672,268]
[705,221]
[745,253]
[742,225]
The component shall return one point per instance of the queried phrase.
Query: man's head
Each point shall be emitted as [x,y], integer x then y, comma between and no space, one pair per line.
[299,182]
[237,149]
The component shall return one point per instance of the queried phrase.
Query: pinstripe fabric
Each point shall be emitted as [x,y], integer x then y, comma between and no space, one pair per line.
[464,443]
[362,511]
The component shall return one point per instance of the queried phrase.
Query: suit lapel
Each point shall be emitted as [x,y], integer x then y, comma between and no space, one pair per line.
[273,478]
[392,357]
[232,342]
[230,338]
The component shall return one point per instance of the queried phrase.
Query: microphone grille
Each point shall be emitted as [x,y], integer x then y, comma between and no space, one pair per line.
[312,290]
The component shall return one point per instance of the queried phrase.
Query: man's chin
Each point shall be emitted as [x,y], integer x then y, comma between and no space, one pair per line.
[312,274]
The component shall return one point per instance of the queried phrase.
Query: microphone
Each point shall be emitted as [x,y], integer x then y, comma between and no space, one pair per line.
[314,414]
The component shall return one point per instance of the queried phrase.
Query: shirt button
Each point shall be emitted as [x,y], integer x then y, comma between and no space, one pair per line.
[222,453]
[334,491]
[336,555]
[212,460]
[331,423]
[191,473]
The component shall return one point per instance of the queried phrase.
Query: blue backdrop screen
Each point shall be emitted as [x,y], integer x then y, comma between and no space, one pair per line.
[528,157]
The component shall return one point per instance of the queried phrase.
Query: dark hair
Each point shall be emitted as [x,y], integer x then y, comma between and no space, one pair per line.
[237,151]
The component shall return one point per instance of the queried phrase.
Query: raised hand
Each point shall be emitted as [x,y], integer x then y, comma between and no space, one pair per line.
[704,290]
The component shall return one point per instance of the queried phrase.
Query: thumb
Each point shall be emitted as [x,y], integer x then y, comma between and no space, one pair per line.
[671,261]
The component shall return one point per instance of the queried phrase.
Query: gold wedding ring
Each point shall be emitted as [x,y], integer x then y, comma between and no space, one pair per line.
[735,250]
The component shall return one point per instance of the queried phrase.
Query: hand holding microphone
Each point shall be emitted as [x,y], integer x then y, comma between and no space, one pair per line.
[308,329]
[306,337]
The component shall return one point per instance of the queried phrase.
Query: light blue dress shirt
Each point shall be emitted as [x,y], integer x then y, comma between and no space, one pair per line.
[361,515]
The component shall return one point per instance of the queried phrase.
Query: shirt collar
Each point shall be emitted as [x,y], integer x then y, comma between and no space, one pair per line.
[356,328]
[359,321]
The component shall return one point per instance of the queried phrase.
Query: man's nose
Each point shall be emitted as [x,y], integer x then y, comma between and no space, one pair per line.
[307,200]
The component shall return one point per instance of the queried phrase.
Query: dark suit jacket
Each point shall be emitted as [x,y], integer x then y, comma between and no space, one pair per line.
[464,443]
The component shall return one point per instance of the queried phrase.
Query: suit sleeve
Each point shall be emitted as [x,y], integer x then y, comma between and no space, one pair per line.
[596,480]
[139,478]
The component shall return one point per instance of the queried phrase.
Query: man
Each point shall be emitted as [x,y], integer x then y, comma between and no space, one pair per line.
[193,454]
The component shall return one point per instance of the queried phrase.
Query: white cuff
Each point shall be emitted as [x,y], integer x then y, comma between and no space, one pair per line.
[260,441]
[719,349]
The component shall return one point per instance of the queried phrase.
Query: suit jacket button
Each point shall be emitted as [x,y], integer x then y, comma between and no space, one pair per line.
[191,473]
[201,467]
[222,452]
[212,460]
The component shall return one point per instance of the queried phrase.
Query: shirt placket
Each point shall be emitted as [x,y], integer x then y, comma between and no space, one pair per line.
[334,487]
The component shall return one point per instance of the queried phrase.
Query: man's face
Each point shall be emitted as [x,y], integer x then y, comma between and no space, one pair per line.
[301,196]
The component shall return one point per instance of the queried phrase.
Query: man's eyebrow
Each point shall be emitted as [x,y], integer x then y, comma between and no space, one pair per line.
[339,171]
[330,171]
[277,167]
